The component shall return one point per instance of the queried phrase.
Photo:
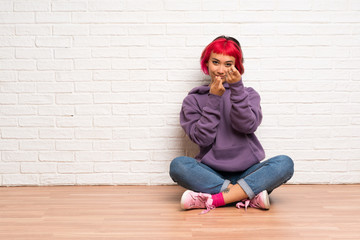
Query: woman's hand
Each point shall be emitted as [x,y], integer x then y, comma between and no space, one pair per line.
[233,75]
[216,87]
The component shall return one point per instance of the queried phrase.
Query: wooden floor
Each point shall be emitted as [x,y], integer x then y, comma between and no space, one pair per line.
[153,212]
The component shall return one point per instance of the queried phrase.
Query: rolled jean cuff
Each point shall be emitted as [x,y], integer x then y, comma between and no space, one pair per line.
[225,185]
[246,188]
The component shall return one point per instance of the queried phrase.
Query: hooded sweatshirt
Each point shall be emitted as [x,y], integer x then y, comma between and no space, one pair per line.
[223,126]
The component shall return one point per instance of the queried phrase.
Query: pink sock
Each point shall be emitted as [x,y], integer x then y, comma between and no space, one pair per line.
[218,200]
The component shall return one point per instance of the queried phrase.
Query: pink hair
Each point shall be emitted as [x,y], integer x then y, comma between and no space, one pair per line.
[225,46]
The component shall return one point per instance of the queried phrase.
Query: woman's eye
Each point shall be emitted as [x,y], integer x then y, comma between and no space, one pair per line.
[215,62]
[229,65]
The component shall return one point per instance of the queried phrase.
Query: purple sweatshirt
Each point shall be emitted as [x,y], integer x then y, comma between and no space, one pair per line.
[224,126]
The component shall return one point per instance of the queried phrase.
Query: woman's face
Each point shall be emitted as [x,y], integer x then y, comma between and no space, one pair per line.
[219,65]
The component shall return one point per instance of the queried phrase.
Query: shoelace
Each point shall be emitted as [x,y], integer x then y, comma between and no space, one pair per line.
[200,200]
[209,207]
[243,204]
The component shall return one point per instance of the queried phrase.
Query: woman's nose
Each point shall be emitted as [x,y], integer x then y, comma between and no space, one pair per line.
[221,70]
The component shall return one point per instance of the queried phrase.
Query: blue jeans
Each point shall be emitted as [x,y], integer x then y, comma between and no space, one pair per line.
[266,175]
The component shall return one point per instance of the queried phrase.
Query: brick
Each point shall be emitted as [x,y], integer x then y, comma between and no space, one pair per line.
[71,121]
[143,52]
[93,110]
[146,5]
[75,167]
[92,156]
[74,99]
[8,99]
[28,6]
[92,64]
[131,155]
[110,53]
[130,86]
[72,53]
[129,41]
[145,121]
[185,5]
[56,156]
[148,167]
[108,29]
[69,145]
[107,5]
[73,76]
[161,179]
[112,167]
[20,180]
[50,133]
[133,109]
[19,156]
[16,17]
[61,42]
[108,145]
[148,75]
[108,17]
[6,6]
[71,30]
[66,6]
[146,98]
[53,17]
[17,65]
[55,87]
[38,168]
[8,122]
[37,145]
[36,121]
[94,179]
[130,133]
[57,179]
[93,133]
[147,29]
[56,65]
[166,17]
[40,99]
[17,88]
[56,110]
[6,168]
[111,98]
[17,110]
[92,41]
[7,76]
[147,144]
[9,145]
[111,121]
[7,53]
[36,76]
[131,178]
[115,75]
[129,64]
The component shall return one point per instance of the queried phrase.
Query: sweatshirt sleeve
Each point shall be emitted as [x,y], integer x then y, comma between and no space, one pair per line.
[200,124]
[245,112]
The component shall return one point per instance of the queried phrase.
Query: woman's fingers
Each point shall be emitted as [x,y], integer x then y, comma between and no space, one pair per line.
[233,75]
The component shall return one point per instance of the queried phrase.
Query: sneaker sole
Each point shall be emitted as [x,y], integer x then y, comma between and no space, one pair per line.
[265,197]
[183,199]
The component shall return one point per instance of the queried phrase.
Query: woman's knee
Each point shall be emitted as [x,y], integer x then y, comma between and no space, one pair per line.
[179,166]
[287,165]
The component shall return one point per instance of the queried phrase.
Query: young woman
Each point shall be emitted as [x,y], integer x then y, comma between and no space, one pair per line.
[221,118]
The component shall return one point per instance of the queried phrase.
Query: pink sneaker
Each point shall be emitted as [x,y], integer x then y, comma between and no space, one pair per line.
[260,201]
[192,200]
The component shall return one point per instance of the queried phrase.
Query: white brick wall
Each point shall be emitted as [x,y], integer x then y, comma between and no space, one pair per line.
[90,90]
